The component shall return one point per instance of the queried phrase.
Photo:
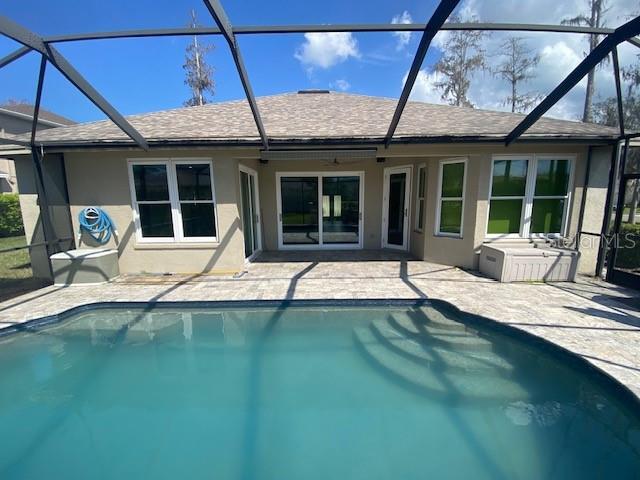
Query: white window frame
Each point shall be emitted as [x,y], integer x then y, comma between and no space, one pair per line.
[174,200]
[527,204]
[437,232]
[422,169]
[320,245]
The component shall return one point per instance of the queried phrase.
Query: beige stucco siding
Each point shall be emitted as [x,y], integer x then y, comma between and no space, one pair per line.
[54,180]
[101,178]
[112,193]
[373,191]
[594,212]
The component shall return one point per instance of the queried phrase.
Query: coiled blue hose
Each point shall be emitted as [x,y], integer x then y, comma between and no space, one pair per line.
[96,223]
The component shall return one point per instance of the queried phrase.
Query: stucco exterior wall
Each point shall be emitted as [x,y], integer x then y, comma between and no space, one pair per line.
[53,172]
[464,251]
[111,191]
[101,178]
[596,198]
[373,191]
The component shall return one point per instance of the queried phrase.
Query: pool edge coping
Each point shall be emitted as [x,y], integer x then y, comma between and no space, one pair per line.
[623,391]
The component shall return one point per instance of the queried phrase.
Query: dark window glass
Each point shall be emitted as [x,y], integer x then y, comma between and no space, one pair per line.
[546,216]
[451,216]
[198,220]
[509,178]
[452,179]
[504,216]
[421,181]
[420,213]
[155,220]
[150,183]
[299,210]
[552,178]
[395,229]
[341,209]
[194,181]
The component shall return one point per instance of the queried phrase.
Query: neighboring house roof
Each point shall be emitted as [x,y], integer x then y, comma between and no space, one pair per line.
[300,117]
[25,110]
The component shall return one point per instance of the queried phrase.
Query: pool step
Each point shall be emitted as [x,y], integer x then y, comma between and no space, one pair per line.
[430,334]
[446,385]
[438,319]
[438,357]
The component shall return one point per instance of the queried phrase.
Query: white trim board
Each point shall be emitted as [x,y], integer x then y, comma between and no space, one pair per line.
[174,201]
[529,196]
[406,240]
[255,209]
[320,245]
[437,232]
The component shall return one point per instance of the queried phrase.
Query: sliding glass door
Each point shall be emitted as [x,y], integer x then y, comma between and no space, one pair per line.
[341,210]
[299,212]
[320,210]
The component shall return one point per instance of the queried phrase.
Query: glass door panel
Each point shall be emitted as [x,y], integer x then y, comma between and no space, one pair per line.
[395,227]
[254,211]
[247,214]
[341,210]
[299,197]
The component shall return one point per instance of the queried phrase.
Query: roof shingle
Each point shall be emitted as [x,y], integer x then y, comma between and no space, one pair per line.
[294,116]
[27,109]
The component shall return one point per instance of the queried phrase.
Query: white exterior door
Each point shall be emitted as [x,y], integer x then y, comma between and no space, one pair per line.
[250,211]
[395,207]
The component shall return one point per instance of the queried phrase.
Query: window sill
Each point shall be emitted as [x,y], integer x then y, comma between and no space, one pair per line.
[520,239]
[175,245]
[453,236]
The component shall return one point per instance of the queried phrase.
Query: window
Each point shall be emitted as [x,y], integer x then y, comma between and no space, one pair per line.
[550,196]
[451,188]
[529,195]
[508,191]
[173,200]
[420,195]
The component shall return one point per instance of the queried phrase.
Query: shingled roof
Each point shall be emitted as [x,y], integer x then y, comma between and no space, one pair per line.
[26,109]
[332,116]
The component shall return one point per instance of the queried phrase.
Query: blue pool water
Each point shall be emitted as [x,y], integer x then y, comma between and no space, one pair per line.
[377,392]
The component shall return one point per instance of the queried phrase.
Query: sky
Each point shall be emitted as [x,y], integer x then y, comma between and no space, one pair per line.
[143,75]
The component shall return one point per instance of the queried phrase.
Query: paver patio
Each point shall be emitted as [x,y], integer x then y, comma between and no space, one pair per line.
[598,321]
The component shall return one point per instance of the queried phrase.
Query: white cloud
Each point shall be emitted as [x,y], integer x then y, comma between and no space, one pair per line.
[324,50]
[424,89]
[403,37]
[559,53]
[340,84]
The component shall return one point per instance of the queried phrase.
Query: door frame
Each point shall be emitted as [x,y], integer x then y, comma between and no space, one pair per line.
[408,170]
[320,246]
[257,218]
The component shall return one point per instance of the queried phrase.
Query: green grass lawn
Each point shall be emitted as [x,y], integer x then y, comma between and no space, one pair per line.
[16,277]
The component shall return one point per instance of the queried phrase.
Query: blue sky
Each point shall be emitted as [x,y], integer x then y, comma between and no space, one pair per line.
[141,75]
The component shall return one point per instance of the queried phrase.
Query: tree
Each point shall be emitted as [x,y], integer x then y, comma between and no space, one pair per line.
[463,56]
[518,67]
[606,112]
[594,19]
[199,75]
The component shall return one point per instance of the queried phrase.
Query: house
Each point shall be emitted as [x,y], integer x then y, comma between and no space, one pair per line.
[207,196]
[17,118]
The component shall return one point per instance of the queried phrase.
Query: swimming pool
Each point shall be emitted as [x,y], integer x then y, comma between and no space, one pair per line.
[306,390]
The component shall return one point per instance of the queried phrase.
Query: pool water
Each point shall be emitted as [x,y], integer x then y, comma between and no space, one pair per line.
[303,392]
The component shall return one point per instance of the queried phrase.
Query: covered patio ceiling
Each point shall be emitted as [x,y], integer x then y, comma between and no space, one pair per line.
[45,46]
